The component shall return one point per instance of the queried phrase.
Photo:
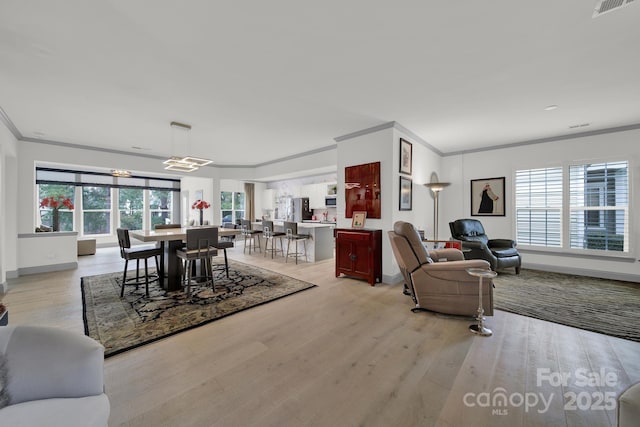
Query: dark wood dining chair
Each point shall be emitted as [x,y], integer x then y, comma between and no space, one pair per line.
[128,253]
[200,246]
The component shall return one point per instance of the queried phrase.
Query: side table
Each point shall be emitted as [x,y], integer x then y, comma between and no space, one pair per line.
[479,328]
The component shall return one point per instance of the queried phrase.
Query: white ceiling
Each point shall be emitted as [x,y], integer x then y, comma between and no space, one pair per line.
[259,81]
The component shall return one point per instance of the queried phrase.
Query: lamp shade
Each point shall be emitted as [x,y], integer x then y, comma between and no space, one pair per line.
[437,186]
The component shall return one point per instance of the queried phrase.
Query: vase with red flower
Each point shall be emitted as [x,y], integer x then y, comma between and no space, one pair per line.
[200,205]
[55,203]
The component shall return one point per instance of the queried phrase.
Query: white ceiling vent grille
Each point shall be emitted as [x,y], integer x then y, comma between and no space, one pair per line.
[604,6]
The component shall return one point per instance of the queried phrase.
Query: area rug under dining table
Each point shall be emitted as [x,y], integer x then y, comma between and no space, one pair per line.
[122,324]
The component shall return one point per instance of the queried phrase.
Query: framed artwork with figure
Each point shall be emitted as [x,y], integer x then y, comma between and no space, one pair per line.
[488,197]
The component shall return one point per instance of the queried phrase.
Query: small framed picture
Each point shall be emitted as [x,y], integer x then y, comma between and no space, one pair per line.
[358,219]
[406,156]
[487,197]
[406,193]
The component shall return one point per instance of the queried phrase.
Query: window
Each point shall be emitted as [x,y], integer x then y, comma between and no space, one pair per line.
[131,208]
[65,216]
[599,201]
[96,210]
[140,202]
[232,206]
[596,207]
[160,206]
[539,207]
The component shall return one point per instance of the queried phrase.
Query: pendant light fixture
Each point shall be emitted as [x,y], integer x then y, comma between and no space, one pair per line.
[186,163]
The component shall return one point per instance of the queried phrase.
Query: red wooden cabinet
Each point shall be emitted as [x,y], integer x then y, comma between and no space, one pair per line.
[359,253]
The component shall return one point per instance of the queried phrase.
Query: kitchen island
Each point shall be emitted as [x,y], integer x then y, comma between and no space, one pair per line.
[320,243]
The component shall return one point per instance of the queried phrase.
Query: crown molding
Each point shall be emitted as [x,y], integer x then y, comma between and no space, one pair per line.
[4,118]
[549,139]
[395,125]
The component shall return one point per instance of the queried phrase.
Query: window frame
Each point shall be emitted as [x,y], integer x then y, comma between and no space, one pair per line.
[565,246]
[80,179]
[234,211]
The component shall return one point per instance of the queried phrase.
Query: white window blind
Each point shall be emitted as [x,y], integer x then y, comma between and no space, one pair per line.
[539,207]
[599,206]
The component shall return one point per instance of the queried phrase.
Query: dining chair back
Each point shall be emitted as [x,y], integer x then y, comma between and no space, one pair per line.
[128,253]
[200,246]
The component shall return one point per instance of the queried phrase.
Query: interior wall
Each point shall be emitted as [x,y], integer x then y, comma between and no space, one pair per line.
[461,169]
[8,196]
[368,148]
[318,163]
[190,186]
[425,162]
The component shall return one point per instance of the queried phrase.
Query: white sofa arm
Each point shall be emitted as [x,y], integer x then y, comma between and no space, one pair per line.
[46,362]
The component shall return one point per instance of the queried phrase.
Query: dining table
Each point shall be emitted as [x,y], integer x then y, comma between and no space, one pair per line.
[171,239]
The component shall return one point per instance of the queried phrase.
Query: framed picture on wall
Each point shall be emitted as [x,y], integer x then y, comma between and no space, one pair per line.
[406,193]
[406,156]
[198,194]
[359,217]
[362,190]
[488,197]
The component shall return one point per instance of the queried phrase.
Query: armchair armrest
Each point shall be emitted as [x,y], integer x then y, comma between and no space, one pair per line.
[447,254]
[455,271]
[478,250]
[502,243]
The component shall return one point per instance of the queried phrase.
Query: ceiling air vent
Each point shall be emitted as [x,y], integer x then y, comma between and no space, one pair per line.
[604,6]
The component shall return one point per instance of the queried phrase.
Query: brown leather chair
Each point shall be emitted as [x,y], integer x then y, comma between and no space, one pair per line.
[501,253]
[437,280]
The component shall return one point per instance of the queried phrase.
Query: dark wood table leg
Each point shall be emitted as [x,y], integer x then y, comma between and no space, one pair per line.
[173,266]
[161,273]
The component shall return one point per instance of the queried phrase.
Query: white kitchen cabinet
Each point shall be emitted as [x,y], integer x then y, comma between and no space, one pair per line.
[268,199]
[316,196]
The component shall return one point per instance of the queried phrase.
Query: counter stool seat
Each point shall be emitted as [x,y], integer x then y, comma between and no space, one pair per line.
[224,245]
[292,235]
[250,236]
[270,235]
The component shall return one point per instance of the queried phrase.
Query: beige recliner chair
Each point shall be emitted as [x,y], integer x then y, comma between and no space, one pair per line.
[437,280]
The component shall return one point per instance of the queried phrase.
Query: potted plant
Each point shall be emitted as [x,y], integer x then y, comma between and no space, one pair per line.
[56,203]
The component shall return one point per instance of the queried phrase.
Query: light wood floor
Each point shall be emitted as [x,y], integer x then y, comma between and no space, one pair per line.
[341,354]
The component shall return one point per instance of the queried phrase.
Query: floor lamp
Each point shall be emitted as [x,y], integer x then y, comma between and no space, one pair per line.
[435,187]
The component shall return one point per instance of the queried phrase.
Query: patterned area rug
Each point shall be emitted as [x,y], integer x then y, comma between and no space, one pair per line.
[135,320]
[606,306]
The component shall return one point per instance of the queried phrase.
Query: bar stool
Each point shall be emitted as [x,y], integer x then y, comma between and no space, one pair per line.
[145,252]
[249,234]
[224,245]
[291,229]
[200,246]
[269,234]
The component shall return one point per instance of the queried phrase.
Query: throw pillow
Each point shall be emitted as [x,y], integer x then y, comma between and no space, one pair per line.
[4,381]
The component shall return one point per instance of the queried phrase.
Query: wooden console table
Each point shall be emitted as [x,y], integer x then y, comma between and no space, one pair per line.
[359,253]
